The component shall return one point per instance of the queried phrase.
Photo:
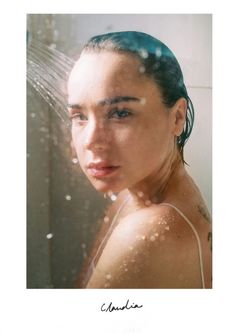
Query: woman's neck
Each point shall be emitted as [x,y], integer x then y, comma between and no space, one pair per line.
[154,188]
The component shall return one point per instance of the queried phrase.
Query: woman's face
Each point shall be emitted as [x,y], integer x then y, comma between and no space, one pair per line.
[121,130]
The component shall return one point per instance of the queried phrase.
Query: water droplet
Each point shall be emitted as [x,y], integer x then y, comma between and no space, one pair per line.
[55,34]
[152,238]
[148,203]
[52,46]
[33,115]
[131,248]
[83,245]
[167,228]
[158,52]
[126,269]
[156,234]
[143,237]
[107,285]
[74,160]
[140,194]
[143,101]
[143,53]
[108,276]
[141,69]
[68,197]
[113,197]
[49,236]
[106,219]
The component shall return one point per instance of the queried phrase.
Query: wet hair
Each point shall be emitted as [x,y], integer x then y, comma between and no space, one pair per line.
[158,62]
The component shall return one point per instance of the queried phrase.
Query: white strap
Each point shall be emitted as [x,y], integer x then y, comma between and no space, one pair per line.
[197,237]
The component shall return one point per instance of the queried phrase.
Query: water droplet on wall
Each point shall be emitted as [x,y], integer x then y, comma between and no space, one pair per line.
[68,197]
[49,236]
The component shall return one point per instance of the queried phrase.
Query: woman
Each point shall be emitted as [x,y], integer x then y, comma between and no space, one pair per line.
[131,116]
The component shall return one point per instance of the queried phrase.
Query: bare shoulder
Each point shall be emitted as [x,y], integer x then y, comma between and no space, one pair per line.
[150,248]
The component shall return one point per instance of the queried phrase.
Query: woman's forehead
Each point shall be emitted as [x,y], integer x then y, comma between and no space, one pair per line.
[107,63]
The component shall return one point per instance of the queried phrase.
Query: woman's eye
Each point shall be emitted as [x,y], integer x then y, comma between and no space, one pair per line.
[117,113]
[78,117]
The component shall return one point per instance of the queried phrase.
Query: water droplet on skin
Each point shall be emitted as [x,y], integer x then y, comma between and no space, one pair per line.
[113,197]
[68,197]
[106,219]
[108,276]
[167,228]
[143,237]
[49,236]
[141,69]
[131,248]
[126,269]
[152,238]
[156,234]
[148,203]
[140,194]
[143,101]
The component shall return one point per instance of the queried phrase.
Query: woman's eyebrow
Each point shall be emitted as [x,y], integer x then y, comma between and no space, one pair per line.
[74,106]
[118,99]
[108,101]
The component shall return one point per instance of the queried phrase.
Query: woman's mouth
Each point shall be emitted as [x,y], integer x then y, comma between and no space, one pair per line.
[100,170]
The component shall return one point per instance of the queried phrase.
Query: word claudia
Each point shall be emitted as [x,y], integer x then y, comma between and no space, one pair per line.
[111,308]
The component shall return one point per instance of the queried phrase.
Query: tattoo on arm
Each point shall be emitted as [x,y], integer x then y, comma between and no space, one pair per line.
[204,213]
[209,238]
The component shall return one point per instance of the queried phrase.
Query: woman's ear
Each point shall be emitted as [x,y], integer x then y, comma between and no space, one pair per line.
[179,111]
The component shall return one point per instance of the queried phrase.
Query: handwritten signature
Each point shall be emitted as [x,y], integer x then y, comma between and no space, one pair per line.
[111,307]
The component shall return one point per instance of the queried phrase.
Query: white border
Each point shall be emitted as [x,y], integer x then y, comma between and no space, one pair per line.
[78,310]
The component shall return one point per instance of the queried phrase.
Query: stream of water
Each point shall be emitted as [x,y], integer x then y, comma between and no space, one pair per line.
[47,71]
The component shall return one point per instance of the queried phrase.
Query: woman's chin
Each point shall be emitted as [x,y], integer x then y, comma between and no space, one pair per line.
[104,187]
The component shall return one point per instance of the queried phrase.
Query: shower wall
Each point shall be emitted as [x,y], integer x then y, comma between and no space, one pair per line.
[63,209]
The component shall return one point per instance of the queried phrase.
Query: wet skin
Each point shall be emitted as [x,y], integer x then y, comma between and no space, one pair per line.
[120,124]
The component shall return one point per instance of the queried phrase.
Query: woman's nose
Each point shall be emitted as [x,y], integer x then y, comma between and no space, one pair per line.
[96,137]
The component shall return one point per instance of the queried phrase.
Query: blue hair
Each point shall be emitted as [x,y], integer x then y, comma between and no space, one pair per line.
[159,63]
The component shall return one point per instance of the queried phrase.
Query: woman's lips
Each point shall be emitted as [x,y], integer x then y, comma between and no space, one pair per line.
[101,171]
